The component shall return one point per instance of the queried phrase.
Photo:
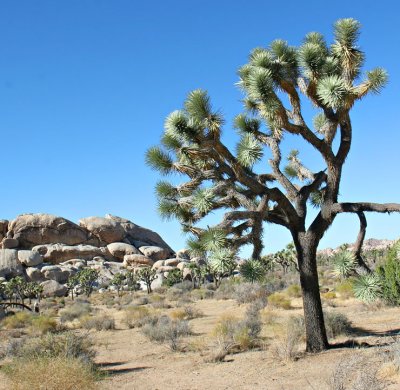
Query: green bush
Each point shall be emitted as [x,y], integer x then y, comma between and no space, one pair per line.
[280,301]
[294,291]
[389,274]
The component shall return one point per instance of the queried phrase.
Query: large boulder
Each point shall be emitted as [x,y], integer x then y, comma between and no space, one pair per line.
[3,228]
[58,253]
[155,252]
[137,261]
[9,243]
[139,236]
[120,249]
[56,273]
[9,264]
[30,258]
[51,288]
[39,229]
[34,274]
[105,229]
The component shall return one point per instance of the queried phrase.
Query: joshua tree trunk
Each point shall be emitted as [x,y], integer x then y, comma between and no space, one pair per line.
[312,306]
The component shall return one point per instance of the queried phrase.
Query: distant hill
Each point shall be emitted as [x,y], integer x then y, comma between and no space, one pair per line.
[369,245]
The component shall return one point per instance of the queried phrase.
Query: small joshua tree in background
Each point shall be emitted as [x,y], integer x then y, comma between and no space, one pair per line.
[147,275]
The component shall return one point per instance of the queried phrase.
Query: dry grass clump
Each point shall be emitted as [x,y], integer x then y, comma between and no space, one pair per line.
[60,361]
[249,292]
[77,310]
[287,348]
[158,301]
[50,374]
[202,293]
[336,324]
[279,301]
[355,373]
[345,289]
[234,335]
[98,322]
[167,331]
[185,313]
[33,323]
[19,320]
[294,291]
[138,316]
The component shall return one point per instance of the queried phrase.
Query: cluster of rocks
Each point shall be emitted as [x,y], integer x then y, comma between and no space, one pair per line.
[368,245]
[49,249]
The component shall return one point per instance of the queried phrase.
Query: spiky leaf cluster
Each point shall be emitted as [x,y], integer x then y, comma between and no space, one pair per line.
[252,270]
[222,261]
[344,264]
[367,288]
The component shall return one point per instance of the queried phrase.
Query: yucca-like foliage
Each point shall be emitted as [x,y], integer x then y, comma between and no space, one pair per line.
[277,82]
[367,288]
[252,270]
[344,264]
[222,261]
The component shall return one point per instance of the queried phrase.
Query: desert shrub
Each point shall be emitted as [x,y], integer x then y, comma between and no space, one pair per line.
[345,289]
[389,274]
[175,276]
[279,300]
[226,289]
[67,345]
[232,334]
[202,293]
[19,320]
[329,295]
[354,373]
[44,324]
[143,301]
[185,313]
[158,301]
[336,324]
[287,348]
[269,316]
[249,292]
[53,361]
[138,316]
[75,311]
[98,322]
[294,291]
[274,282]
[50,374]
[168,331]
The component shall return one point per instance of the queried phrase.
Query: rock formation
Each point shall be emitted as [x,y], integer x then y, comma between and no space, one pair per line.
[49,249]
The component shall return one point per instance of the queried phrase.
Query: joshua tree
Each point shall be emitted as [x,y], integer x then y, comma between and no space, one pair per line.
[277,81]
[117,281]
[147,276]
[87,279]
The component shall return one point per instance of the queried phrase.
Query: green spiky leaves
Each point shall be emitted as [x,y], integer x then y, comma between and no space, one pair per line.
[165,190]
[199,109]
[159,160]
[367,288]
[203,200]
[319,121]
[252,270]
[249,150]
[245,124]
[377,79]
[347,31]
[344,264]
[222,261]
[333,91]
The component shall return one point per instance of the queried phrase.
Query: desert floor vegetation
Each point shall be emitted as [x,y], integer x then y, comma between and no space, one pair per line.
[187,337]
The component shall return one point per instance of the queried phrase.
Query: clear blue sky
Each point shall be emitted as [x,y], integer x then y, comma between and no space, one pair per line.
[85,86]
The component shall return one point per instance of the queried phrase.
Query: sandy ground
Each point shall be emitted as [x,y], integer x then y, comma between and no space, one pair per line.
[132,362]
